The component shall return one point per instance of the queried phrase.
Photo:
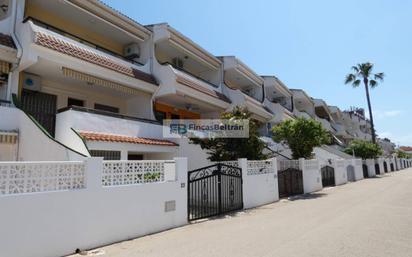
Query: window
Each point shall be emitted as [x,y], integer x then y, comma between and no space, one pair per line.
[107,155]
[175,116]
[135,157]
[75,102]
[106,108]
[160,116]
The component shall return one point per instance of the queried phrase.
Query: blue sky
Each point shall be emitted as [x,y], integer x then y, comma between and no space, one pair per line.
[307,44]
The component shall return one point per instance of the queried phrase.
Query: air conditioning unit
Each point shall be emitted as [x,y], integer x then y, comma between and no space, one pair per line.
[132,51]
[3,79]
[31,82]
[177,62]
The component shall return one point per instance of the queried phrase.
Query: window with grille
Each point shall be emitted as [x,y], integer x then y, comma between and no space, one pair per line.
[107,155]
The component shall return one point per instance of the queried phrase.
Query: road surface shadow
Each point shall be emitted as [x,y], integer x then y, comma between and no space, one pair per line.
[307,196]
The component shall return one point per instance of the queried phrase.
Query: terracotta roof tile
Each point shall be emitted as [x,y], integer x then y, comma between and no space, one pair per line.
[64,47]
[406,148]
[97,136]
[7,40]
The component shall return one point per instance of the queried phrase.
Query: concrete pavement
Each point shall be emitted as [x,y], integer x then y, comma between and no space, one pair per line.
[372,217]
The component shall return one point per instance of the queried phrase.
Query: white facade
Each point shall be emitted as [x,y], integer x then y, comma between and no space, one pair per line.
[260,183]
[92,215]
[312,178]
[340,172]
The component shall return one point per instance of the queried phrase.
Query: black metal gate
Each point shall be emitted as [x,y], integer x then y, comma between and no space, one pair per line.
[385,167]
[214,190]
[365,171]
[378,169]
[290,182]
[328,176]
[392,168]
[42,107]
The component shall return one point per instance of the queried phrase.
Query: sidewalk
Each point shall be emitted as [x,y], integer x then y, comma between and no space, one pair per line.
[371,217]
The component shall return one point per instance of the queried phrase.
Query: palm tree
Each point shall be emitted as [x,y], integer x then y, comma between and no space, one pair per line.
[363,73]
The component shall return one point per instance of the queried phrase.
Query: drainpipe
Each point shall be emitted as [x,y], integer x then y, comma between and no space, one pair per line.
[152,61]
[18,46]
[14,36]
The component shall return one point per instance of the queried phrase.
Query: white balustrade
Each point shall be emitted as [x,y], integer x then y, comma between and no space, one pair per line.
[117,173]
[31,177]
[259,167]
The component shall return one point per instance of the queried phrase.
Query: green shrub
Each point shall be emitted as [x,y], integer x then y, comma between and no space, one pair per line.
[301,135]
[227,149]
[364,149]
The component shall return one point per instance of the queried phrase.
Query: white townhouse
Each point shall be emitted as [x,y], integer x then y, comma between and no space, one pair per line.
[244,88]
[323,114]
[357,125]
[278,99]
[338,124]
[304,107]
[190,78]
[80,79]
[92,93]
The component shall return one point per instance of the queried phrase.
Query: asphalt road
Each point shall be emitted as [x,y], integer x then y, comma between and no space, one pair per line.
[372,217]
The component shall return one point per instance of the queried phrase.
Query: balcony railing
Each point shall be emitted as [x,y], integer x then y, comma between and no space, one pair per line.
[80,40]
[5,103]
[303,114]
[325,124]
[279,110]
[288,108]
[190,74]
[106,113]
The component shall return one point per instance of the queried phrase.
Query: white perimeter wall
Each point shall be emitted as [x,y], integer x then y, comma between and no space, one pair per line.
[197,158]
[340,172]
[312,178]
[357,163]
[34,145]
[371,167]
[57,223]
[259,188]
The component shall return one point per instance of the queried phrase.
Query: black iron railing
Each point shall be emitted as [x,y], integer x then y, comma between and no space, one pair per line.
[5,103]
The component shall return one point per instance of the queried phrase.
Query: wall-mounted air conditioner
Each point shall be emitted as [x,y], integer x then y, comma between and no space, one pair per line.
[31,82]
[3,79]
[132,51]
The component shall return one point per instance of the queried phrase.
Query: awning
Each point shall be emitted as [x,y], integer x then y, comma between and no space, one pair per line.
[338,141]
[92,80]
[4,67]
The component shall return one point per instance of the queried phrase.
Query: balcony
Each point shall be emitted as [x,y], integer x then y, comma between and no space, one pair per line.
[302,114]
[280,112]
[238,76]
[340,130]
[111,127]
[258,110]
[191,76]
[88,119]
[325,124]
[181,89]
[44,45]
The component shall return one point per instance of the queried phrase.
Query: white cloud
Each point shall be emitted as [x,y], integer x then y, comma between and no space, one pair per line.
[385,134]
[384,114]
